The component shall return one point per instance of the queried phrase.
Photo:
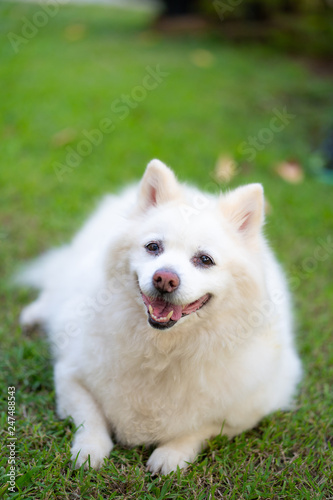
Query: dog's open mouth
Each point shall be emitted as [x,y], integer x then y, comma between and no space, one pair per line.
[163,314]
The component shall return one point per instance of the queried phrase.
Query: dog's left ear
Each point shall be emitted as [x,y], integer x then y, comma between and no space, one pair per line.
[159,185]
[244,208]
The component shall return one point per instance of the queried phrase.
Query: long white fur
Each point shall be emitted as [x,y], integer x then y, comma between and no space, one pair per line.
[220,369]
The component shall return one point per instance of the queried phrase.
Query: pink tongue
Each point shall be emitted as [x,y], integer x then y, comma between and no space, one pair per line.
[162,309]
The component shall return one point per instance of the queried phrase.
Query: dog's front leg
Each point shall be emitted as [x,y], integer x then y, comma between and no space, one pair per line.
[181,451]
[92,437]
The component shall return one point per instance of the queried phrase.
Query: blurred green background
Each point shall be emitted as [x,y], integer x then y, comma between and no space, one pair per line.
[81,115]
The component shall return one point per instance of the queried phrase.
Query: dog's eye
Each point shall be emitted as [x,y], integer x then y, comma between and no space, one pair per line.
[153,248]
[203,260]
[206,260]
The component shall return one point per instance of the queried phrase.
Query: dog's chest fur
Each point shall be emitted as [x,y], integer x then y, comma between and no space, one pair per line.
[151,397]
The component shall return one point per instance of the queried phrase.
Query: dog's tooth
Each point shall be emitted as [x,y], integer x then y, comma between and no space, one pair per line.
[169,316]
[162,319]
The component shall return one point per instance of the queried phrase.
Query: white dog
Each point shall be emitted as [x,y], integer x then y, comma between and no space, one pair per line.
[169,320]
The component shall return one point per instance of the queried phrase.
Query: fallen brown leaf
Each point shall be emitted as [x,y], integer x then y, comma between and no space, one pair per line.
[202,58]
[63,137]
[225,169]
[75,32]
[291,171]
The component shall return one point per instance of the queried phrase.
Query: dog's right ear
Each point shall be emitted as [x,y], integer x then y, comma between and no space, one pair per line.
[159,185]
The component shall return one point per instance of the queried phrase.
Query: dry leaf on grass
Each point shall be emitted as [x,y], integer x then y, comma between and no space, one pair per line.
[291,171]
[63,137]
[225,169]
[75,32]
[202,58]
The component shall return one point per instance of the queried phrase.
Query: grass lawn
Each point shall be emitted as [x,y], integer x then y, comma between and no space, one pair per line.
[85,103]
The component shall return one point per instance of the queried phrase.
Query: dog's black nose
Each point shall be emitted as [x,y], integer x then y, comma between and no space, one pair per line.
[166,281]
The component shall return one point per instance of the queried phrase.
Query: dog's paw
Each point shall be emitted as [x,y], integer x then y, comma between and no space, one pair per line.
[166,459]
[31,316]
[92,446]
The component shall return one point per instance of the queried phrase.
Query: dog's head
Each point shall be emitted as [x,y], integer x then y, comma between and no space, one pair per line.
[192,249]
